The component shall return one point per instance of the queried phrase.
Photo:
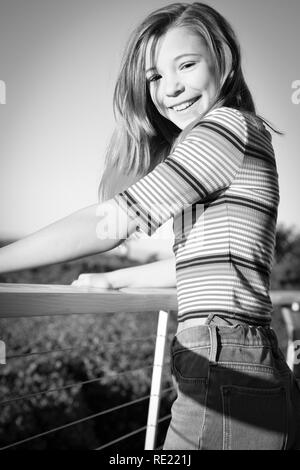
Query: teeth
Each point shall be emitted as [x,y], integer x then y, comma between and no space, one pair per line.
[183,106]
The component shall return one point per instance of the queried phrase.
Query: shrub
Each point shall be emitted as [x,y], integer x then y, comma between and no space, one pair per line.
[84,348]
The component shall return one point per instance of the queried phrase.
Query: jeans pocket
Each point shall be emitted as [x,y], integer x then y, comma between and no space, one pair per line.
[254,418]
[190,365]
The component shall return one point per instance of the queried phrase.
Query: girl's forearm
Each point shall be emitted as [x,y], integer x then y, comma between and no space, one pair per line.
[158,274]
[72,237]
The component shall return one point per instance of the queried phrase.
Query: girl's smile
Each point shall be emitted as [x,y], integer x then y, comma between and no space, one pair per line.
[181,81]
[185,105]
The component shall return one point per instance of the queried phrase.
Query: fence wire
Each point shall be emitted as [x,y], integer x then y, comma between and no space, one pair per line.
[81,420]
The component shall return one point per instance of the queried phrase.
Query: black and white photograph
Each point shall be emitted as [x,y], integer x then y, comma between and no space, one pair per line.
[149,227]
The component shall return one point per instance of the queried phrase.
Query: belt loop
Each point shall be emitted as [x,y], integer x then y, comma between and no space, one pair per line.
[213,343]
[209,318]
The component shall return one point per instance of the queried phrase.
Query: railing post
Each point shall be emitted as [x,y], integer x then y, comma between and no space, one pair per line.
[159,354]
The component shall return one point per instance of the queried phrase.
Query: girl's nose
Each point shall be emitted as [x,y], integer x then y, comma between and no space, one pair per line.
[173,87]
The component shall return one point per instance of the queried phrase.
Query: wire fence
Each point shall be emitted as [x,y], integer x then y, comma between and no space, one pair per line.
[78,348]
[86,418]
[130,434]
[16,360]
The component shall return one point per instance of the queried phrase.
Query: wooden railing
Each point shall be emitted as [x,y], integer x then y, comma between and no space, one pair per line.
[22,300]
[29,300]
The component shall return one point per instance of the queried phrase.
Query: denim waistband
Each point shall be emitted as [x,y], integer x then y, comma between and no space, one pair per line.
[223,320]
[227,331]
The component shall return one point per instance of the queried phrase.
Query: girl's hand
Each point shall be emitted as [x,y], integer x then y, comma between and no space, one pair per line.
[93,280]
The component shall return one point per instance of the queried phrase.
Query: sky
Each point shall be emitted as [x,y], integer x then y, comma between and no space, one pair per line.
[59,61]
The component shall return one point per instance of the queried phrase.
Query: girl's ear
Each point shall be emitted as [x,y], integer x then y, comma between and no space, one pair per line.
[227,57]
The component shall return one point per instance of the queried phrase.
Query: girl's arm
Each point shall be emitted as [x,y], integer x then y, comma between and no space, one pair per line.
[158,274]
[90,230]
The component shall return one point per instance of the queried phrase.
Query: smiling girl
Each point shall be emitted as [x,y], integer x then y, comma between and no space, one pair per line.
[193,149]
[182,84]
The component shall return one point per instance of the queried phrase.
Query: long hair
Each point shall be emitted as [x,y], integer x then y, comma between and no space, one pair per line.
[143,137]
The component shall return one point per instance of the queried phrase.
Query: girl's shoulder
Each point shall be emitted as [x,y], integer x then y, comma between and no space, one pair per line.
[224,122]
[227,117]
[243,119]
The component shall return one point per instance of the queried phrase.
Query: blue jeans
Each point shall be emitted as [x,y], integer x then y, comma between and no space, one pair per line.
[234,390]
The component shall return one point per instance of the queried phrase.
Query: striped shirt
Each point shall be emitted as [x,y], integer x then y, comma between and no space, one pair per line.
[220,185]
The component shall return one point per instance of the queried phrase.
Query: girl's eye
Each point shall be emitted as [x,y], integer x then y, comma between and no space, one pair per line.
[187,65]
[154,78]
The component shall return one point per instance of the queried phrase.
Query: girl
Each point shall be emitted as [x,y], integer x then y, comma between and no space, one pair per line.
[188,136]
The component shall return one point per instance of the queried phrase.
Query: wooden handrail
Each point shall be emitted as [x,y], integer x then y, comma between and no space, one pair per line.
[285,297]
[28,300]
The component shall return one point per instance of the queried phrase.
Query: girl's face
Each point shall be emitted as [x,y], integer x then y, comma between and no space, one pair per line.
[181,81]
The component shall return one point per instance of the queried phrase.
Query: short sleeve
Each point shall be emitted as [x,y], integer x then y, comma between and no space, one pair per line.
[205,163]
